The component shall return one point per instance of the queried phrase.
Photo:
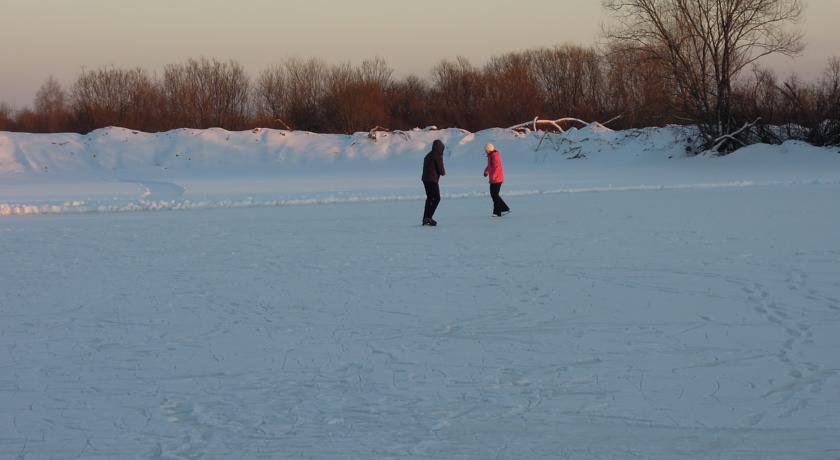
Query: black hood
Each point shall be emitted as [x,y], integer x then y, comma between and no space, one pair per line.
[437,147]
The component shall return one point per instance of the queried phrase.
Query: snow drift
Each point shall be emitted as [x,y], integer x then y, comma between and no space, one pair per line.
[112,153]
[116,169]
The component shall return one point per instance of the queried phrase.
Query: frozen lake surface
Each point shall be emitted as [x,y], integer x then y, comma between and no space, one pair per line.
[675,323]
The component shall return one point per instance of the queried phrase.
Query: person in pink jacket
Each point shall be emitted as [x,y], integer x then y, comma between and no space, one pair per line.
[496,173]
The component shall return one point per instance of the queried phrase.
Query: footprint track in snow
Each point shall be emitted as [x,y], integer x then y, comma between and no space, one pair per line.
[803,376]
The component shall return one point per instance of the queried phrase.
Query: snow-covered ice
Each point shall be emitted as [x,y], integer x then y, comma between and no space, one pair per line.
[632,305]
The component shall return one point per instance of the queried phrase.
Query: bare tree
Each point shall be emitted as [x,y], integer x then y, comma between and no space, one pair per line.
[816,107]
[51,106]
[408,103]
[207,93]
[706,44]
[305,90]
[376,72]
[512,92]
[115,97]
[638,89]
[354,98]
[571,80]
[26,120]
[458,92]
[339,91]
[7,119]
[828,105]
[272,95]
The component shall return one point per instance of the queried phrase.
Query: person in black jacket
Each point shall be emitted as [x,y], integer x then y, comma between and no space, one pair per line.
[432,170]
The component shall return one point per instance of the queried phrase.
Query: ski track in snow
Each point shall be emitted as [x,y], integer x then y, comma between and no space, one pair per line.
[698,323]
[165,196]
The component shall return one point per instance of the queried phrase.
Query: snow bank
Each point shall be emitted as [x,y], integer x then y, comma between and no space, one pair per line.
[159,170]
[118,152]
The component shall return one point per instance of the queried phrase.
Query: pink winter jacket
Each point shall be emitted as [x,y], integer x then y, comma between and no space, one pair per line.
[494,169]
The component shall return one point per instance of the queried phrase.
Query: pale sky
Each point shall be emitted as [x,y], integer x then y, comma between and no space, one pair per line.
[59,37]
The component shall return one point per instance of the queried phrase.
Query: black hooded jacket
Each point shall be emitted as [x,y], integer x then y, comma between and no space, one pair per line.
[433,163]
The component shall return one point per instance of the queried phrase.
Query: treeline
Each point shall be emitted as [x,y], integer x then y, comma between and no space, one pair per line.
[792,108]
[311,95]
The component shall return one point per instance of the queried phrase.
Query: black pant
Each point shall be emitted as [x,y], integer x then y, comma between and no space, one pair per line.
[499,205]
[432,199]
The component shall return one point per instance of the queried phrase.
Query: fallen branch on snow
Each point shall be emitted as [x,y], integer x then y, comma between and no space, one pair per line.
[283,124]
[536,122]
[374,132]
[719,142]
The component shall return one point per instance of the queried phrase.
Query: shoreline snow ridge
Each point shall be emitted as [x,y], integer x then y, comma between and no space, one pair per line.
[84,172]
